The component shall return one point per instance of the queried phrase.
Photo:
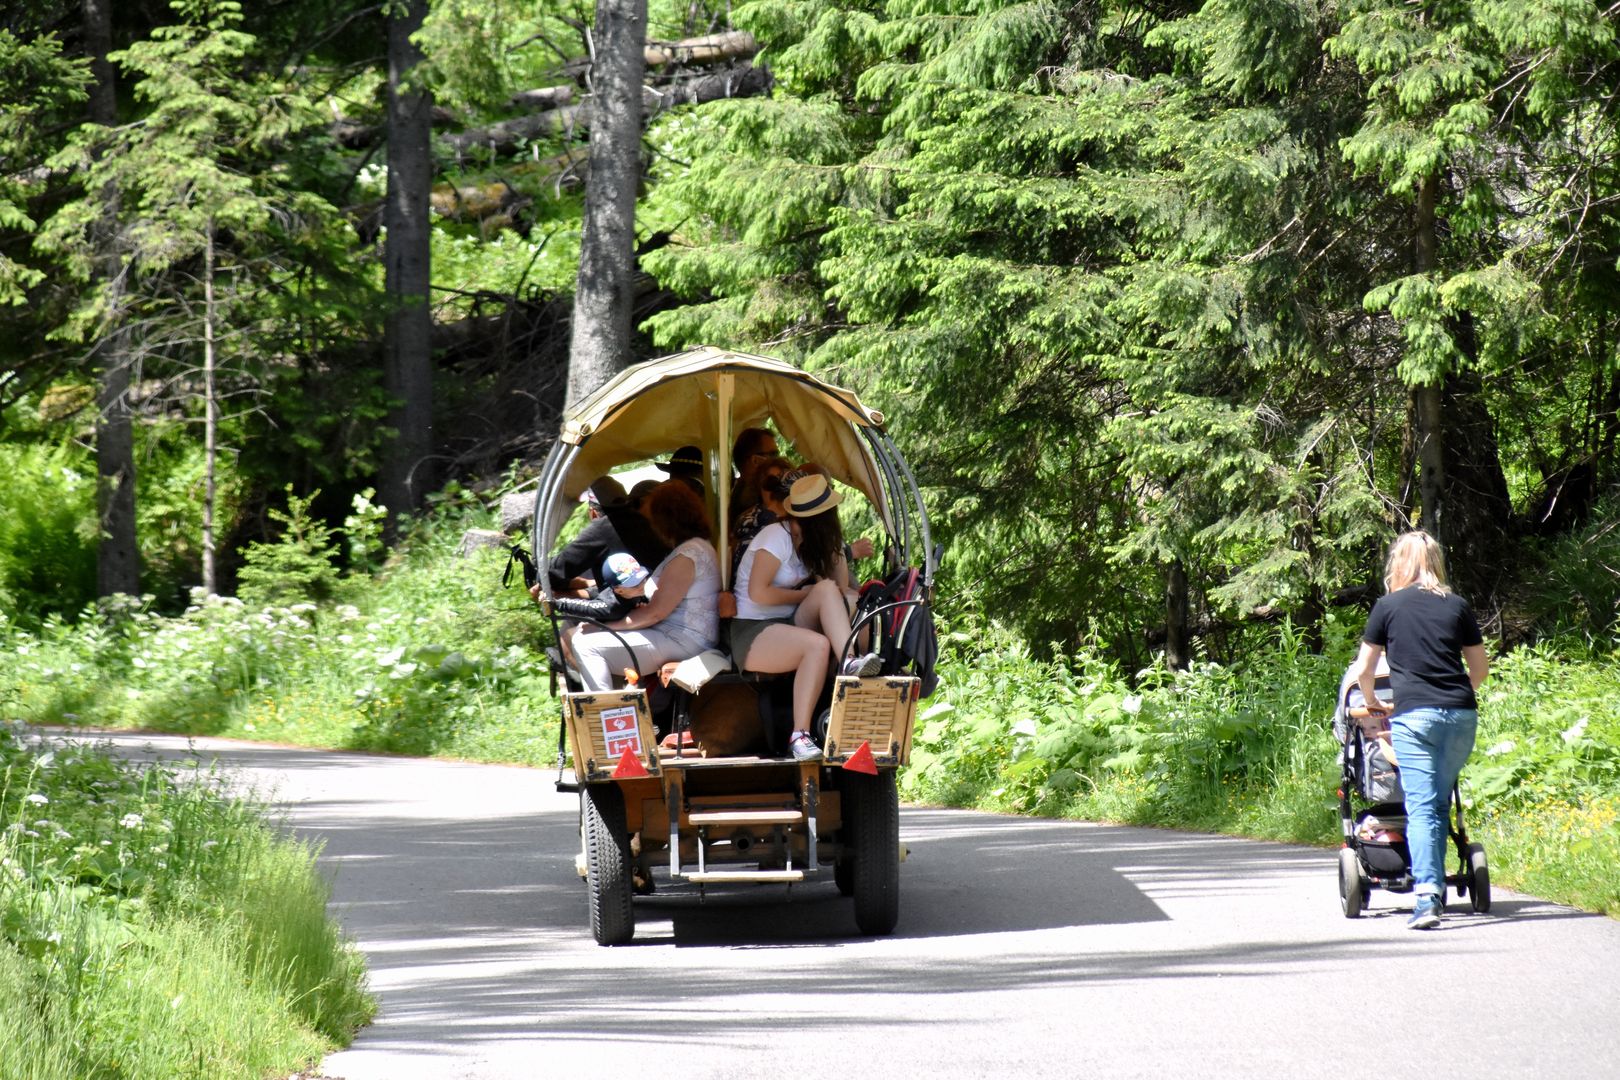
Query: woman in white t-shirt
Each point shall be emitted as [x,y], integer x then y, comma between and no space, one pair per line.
[794,600]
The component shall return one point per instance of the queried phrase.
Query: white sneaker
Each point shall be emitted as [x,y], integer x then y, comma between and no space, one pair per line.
[803,747]
[863,667]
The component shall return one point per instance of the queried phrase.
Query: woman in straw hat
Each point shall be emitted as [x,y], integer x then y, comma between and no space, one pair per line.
[1428,633]
[794,599]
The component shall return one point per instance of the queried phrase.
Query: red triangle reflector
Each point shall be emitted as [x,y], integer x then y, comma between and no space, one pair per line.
[861,760]
[630,767]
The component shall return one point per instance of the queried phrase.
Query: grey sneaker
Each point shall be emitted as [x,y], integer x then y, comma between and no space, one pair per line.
[863,667]
[1426,915]
[803,747]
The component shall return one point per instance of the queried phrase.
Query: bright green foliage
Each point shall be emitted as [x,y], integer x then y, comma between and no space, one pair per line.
[47,539]
[1112,216]
[199,162]
[1249,749]
[152,926]
[1502,109]
[297,569]
[213,162]
[36,82]
[433,656]
[1109,270]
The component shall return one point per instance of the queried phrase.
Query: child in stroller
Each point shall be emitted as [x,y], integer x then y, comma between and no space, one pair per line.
[1372,809]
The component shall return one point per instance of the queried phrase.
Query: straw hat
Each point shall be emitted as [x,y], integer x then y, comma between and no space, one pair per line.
[810,495]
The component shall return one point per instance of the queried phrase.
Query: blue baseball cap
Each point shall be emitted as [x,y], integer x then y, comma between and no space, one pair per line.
[622,571]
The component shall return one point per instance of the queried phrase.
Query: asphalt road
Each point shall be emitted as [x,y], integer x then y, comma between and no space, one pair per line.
[1025,948]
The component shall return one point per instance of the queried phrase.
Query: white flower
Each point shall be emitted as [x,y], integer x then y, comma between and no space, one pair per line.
[131,821]
[1131,704]
[1506,746]
[1575,731]
[38,800]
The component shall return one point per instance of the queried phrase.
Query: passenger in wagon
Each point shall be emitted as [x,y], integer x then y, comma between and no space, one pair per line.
[616,525]
[794,601]
[764,492]
[679,619]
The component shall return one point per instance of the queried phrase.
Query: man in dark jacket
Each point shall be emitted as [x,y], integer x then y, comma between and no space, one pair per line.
[616,525]
[623,583]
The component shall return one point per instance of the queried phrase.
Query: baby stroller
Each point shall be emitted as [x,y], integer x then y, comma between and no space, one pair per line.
[1375,854]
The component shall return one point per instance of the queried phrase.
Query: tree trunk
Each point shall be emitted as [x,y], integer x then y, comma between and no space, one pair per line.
[1464,495]
[605,288]
[210,420]
[1477,498]
[1428,435]
[1177,635]
[118,558]
[407,339]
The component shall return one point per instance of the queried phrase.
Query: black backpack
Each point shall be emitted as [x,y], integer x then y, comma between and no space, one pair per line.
[903,626]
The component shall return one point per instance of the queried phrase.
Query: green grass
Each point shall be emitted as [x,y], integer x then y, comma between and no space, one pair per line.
[152,925]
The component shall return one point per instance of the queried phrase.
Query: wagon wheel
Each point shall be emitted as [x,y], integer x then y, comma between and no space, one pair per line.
[844,864]
[872,817]
[607,864]
[1352,884]
[1479,873]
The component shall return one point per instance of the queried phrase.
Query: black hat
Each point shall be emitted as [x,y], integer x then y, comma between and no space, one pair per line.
[687,461]
[603,492]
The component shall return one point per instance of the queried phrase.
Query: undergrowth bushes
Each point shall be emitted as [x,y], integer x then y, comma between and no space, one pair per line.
[151,925]
[1248,749]
[433,656]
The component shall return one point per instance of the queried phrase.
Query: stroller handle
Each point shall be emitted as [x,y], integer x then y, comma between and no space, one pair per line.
[1362,712]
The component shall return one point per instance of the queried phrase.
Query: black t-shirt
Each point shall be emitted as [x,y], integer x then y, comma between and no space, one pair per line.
[1423,634]
[619,529]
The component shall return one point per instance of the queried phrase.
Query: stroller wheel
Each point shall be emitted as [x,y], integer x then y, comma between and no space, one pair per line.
[1479,873]
[1352,884]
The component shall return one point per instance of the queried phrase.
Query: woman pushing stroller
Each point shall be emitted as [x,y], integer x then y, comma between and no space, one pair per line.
[1437,660]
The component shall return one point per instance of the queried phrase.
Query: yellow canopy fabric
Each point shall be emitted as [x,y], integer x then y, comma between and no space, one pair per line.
[653,408]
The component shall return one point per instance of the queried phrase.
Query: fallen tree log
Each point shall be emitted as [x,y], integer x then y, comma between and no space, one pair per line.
[709,49]
[743,80]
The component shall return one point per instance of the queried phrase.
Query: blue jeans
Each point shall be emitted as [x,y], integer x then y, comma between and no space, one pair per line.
[1431,746]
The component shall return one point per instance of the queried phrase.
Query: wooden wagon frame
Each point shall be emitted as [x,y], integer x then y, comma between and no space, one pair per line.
[649,811]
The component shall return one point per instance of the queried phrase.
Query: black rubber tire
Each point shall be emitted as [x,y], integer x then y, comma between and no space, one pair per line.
[844,875]
[872,820]
[607,864]
[844,865]
[1352,884]
[1479,890]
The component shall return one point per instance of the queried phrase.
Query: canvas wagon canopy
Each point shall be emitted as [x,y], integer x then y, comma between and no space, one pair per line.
[704,397]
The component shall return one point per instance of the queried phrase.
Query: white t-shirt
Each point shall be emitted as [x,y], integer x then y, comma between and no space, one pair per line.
[790,574]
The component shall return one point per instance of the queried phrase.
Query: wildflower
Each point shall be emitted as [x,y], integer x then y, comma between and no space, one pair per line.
[131,821]
[38,800]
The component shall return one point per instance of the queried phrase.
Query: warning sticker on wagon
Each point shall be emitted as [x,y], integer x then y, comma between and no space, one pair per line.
[622,731]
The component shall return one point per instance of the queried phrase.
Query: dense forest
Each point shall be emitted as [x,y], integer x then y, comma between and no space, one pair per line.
[1180,309]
